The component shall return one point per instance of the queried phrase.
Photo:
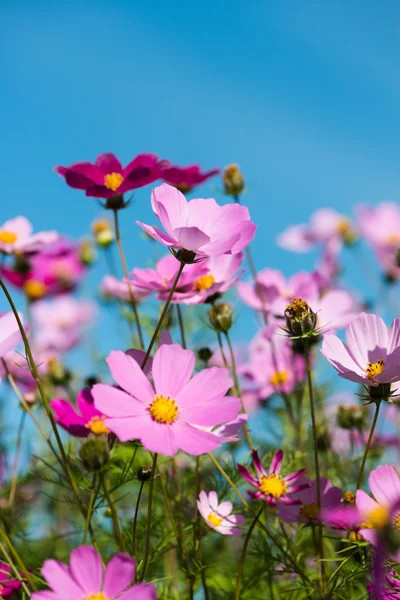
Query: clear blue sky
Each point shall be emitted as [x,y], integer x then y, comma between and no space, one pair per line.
[303,95]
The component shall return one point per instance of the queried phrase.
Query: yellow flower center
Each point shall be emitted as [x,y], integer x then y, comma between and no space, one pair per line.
[374,369]
[279,377]
[8,237]
[112,181]
[272,485]
[349,498]
[99,596]
[297,308]
[378,518]
[344,227]
[96,425]
[204,283]
[309,511]
[164,409]
[214,519]
[34,289]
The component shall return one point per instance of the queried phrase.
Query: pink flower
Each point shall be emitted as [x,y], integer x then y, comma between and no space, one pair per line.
[230,432]
[219,516]
[372,353]
[307,511]
[271,486]
[184,178]
[122,289]
[107,178]
[86,579]
[391,590]
[11,585]
[79,422]
[380,225]
[200,226]
[10,335]
[164,418]
[16,236]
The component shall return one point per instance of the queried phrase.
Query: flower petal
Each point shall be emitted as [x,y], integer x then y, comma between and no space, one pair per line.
[60,580]
[172,369]
[87,569]
[128,374]
[120,572]
[113,402]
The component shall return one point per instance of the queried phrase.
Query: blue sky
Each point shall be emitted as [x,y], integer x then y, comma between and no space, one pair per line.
[303,95]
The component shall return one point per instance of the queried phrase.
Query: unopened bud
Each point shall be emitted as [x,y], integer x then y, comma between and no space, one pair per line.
[144,473]
[94,452]
[105,238]
[233,180]
[100,225]
[87,254]
[221,317]
[204,354]
[300,319]
[351,417]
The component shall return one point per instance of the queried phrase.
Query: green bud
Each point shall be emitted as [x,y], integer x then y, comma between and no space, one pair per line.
[221,317]
[94,452]
[144,473]
[300,320]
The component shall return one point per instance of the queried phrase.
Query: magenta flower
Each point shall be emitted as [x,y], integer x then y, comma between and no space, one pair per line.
[307,511]
[200,226]
[86,579]
[163,418]
[372,353]
[184,178]
[10,335]
[16,236]
[271,486]
[219,516]
[391,590]
[10,585]
[121,289]
[107,178]
[79,423]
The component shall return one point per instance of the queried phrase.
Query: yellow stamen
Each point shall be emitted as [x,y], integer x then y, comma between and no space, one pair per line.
[309,511]
[279,377]
[113,181]
[96,425]
[272,485]
[297,308]
[8,237]
[164,409]
[378,518]
[204,283]
[214,519]
[34,289]
[344,227]
[99,596]
[349,498]
[374,369]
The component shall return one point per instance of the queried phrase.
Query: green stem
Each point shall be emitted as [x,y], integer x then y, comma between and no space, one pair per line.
[221,346]
[17,558]
[181,327]
[243,555]
[14,481]
[135,518]
[228,479]
[149,517]
[126,274]
[371,434]
[114,514]
[90,508]
[162,316]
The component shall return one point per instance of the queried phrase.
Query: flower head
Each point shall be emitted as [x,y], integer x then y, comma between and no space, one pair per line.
[184,178]
[82,421]
[86,578]
[16,236]
[200,226]
[271,486]
[163,415]
[107,178]
[122,289]
[8,585]
[307,511]
[219,516]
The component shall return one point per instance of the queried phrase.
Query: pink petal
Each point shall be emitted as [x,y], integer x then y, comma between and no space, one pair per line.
[113,402]
[170,206]
[367,339]
[384,483]
[87,569]
[191,238]
[224,509]
[205,386]
[212,413]
[108,163]
[276,463]
[394,336]
[60,580]
[245,473]
[158,235]
[194,441]
[120,572]
[172,368]
[338,355]
[130,428]
[128,374]
[213,500]
[365,504]
[141,591]
[160,437]
[10,335]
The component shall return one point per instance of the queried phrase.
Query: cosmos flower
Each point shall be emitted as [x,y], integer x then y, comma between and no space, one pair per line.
[122,289]
[184,178]
[200,226]
[81,421]
[86,578]
[8,585]
[380,225]
[271,486]
[307,511]
[107,178]
[219,516]
[371,355]
[163,417]
[16,236]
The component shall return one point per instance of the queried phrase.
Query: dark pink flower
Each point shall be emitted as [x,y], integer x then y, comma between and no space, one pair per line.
[83,419]
[10,585]
[184,178]
[307,511]
[107,178]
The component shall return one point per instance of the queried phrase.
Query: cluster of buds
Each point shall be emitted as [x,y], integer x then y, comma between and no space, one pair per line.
[300,319]
[233,180]
[352,417]
[94,452]
[221,317]
[103,233]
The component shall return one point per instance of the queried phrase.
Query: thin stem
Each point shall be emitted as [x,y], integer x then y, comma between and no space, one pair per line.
[181,327]
[228,479]
[371,434]
[126,275]
[135,518]
[243,555]
[114,514]
[149,517]
[221,346]
[316,458]
[90,508]
[204,582]
[162,316]
[14,481]
[237,387]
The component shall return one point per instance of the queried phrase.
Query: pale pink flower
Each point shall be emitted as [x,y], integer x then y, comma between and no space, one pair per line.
[16,236]
[380,225]
[219,516]
[162,414]
[201,225]
[122,289]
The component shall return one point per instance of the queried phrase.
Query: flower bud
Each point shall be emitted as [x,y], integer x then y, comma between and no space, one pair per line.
[220,316]
[104,239]
[351,417]
[87,254]
[94,452]
[204,354]
[58,373]
[144,473]
[300,319]
[233,180]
